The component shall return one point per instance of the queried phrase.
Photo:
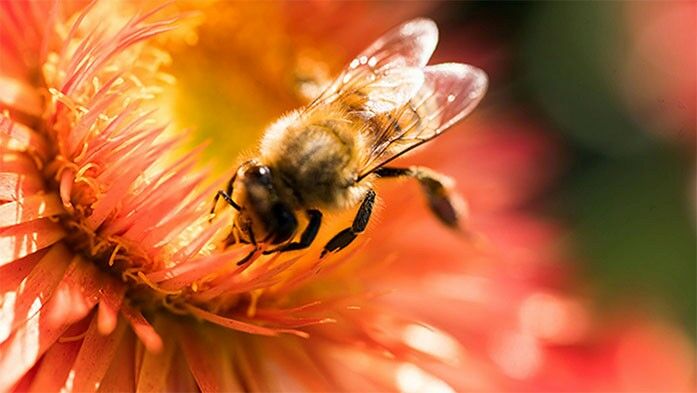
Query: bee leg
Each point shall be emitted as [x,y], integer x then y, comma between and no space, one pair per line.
[252,239]
[345,237]
[438,189]
[247,257]
[307,237]
[227,196]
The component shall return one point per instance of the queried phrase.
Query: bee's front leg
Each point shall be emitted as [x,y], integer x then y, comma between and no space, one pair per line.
[345,237]
[227,196]
[444,203]
[308,235]
[250,234]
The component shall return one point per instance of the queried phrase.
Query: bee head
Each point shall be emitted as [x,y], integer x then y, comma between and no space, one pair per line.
[264,212]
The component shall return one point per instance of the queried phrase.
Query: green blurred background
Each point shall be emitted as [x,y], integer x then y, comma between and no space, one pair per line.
[626,126]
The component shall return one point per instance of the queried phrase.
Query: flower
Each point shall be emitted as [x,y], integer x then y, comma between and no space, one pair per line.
[112,278]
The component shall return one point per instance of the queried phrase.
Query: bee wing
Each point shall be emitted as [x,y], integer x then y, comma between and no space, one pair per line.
[388,73]
[449,93]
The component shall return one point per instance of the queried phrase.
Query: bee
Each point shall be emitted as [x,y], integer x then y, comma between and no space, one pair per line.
[326,156]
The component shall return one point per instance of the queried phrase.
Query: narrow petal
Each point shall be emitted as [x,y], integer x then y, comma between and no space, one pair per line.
[19,176]
[242,326]
[29,209]
[110,298]
[19,96]
[106,203]
[142,328]
[121,377]
[11,275]
[18,137]
[78,291]
[210,362]
[185,274]
[14,186]
[95,356]
[21,240]
[237,283]
[293,363]
[34,291]
[180,378]
[21,351]
[155,367]
[55,367]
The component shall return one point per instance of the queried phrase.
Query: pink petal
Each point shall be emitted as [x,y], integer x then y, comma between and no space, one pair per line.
[155,367]
[241,326]
[179,378]
[237,283]
[294,364]
[12,274]
[145,332]
[77,292]
[19,96]
[97,105]
[21,240]
[185,274]
[110,298]
[95,356]
[107,202]
[14,186]
[18,137]
[121,377]
[208,360]
[34,291]
[19,176]
[26,345]
[30,209]
[56,364]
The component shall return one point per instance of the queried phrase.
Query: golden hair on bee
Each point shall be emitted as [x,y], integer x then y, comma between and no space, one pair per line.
[325,156]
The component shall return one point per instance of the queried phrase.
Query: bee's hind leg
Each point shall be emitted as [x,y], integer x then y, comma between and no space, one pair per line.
[345,237]
[307,237]
[445,204]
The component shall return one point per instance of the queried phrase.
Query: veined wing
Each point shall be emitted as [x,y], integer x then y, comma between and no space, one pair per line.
[388,73]
[449,93]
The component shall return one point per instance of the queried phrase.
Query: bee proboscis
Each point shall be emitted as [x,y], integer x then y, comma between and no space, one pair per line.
[325,156]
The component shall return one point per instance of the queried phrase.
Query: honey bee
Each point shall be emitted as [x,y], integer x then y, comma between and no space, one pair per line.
[326,156]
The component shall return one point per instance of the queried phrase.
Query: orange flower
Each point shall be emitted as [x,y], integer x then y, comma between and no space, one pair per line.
[112,279]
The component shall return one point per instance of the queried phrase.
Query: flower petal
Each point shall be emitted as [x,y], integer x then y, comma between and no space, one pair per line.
[142,328]
[155,367]
[110,298]
[185,274]
[19,96]
[242,326]
[210,362]
[21,240]
[26,345]
[55,367]
[18,137]
[34,291]
[96,355]
[18,176]
[29,209]
[121,377]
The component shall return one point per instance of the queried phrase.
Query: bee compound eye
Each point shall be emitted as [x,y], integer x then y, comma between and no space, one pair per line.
[263,175]
[259,173]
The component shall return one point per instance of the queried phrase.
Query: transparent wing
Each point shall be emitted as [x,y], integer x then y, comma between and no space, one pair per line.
[449,93]
[388,73]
